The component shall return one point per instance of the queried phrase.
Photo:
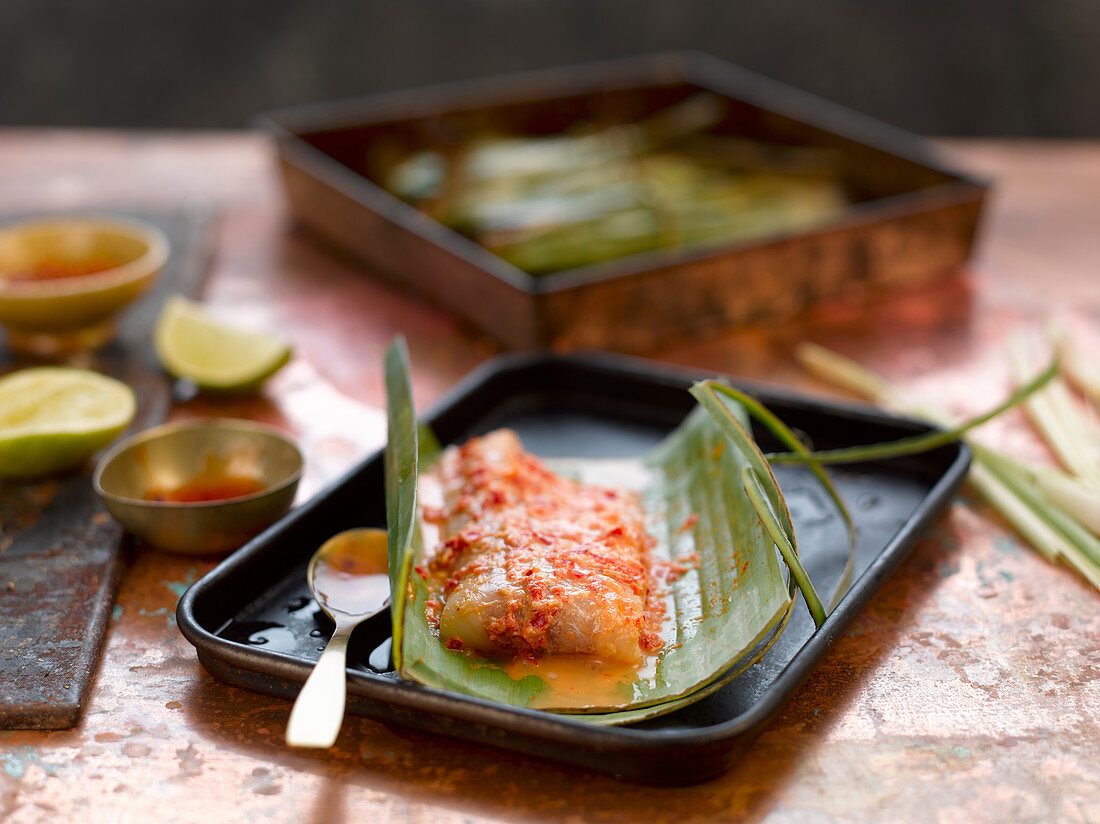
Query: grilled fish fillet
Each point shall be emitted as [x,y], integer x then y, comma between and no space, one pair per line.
[529,563]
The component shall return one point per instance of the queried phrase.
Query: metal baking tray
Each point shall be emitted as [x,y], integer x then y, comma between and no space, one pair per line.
[912,220]
[254,624]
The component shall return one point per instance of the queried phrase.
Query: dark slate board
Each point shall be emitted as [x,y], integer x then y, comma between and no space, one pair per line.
[60,552]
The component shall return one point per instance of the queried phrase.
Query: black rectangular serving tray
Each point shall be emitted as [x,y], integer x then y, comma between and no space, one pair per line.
[254,624]
[912,220]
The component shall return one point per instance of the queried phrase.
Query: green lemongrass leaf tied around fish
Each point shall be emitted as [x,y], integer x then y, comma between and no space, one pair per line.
[787,545]
[402,450]
[905,446]
[781,432]
[759,482]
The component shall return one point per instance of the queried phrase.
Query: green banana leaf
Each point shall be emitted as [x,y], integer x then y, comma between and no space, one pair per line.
[401,471]
[723,615]
[710,496]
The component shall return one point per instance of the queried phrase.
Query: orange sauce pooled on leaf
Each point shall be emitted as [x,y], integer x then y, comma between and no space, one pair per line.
[581,681]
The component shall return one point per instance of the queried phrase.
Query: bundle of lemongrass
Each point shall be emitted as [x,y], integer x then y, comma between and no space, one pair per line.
[547,203]
[1058,512]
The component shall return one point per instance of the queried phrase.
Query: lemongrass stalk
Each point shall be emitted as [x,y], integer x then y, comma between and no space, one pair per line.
[1078,498]
[1018,480]
[1072,436]
[917,443]
[1076,546]
[1008,495]
[1081,370]
[1023,519]
[750,481]
[704,392]
[1082,427]
[1059,421]
[845,372]
[785,436]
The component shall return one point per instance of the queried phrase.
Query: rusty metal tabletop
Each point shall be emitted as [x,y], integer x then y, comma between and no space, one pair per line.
[967,691]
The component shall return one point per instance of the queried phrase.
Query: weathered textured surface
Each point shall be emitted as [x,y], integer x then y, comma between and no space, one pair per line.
[60,552]
[965,692]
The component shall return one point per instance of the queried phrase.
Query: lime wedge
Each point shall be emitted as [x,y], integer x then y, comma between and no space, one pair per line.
[53,418]
[193,344]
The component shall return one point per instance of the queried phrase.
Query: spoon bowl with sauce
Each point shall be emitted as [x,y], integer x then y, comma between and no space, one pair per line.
[349,578]
[200,486]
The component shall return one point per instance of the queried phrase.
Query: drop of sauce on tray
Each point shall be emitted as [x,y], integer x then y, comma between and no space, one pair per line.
[351,574]
[299,603]
[380,659]
[273,636]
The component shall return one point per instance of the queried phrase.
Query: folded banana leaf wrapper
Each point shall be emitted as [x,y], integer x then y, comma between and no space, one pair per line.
[715,510]
[724,612]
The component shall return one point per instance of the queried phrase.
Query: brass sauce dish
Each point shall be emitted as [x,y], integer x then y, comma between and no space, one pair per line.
[62,315]
[136,480]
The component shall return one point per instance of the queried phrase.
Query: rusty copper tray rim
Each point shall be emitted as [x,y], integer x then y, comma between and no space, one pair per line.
[286,125]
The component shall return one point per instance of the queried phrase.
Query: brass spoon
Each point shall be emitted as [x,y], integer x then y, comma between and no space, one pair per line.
[348,577]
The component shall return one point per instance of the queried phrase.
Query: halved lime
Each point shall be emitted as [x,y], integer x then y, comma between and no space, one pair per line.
[193,344]
[53,418]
